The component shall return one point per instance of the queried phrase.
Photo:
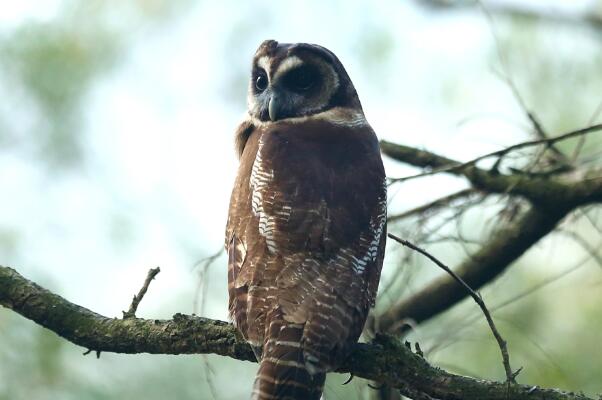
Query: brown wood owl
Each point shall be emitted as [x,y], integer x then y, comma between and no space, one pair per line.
[307,222]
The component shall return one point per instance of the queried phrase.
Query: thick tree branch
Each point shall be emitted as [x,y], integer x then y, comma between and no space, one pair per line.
[182,335]
[385,360]
[540,190]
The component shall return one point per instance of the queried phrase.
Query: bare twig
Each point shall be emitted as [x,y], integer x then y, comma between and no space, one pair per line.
[198,307]
[591,221]
[433,205]
[594,252]
[469,320]
[460,166]
[510,375]
[131,313]
[540,133]
[506,75]
[581,142]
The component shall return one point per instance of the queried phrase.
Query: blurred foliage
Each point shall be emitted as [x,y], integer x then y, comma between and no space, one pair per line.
[554,73]
[54,64]
[242,35]
[566,359]
[47,367]
[9,242]
[549,332]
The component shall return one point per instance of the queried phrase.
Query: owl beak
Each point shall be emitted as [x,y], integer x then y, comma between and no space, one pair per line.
[273,108]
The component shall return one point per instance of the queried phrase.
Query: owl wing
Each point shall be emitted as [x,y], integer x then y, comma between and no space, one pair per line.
[238,228]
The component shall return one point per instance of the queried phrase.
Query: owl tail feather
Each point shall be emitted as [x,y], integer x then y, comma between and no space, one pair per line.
[284,373]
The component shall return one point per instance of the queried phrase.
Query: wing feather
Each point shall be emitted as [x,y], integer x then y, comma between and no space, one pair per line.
[306,234]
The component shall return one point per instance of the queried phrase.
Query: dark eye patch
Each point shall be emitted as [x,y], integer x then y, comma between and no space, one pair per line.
[260,80]
[302,79]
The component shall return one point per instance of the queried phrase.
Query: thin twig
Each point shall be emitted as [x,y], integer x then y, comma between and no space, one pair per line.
[498,153]
[510,375]
[594,252]
[131,313]
[581,142]
[469,320]
[540,132]
[435,204]
[198,308]
[506,76]
[591,221]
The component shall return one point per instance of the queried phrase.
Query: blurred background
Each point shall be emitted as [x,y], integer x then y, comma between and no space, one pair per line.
[116,155]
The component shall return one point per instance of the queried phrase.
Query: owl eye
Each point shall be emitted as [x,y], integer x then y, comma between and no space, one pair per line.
[302,79]
[261,82]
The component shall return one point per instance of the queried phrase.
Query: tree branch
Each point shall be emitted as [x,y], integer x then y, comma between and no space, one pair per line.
[385,360]
[131,313]
[445,201]
[459,167]
[182,335]
[551,198]
[505,247]
[540,190]
[510,374]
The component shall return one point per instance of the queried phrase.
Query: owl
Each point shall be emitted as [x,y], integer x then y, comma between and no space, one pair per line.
[306,228]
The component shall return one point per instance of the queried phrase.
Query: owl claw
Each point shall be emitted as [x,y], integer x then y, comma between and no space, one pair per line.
[376,387]
[351,376]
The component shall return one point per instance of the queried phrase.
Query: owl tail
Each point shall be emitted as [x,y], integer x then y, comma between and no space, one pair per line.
[284,373]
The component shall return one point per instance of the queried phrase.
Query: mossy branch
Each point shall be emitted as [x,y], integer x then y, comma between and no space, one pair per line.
[540,190]
[551,199]
[384,360]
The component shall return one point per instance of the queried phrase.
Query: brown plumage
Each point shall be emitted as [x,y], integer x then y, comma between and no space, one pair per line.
[307,223]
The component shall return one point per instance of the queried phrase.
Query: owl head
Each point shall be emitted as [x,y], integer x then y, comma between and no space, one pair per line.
[297,80]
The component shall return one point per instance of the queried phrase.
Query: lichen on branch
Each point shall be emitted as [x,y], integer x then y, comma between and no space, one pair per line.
[384,360]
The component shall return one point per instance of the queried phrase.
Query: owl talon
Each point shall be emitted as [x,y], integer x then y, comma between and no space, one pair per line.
[376,387]
[418,350]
